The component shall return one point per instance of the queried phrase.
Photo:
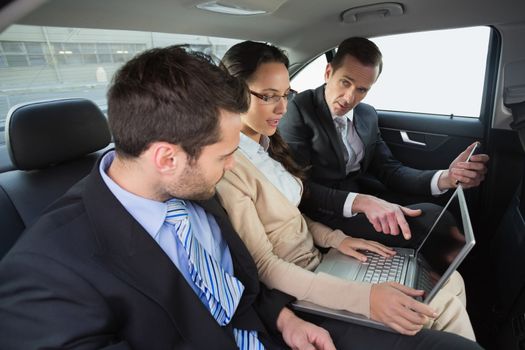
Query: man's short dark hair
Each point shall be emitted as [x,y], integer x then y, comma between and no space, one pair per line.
[364,50]
[169,94]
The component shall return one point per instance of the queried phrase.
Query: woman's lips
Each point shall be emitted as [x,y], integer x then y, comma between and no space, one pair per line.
[273,122]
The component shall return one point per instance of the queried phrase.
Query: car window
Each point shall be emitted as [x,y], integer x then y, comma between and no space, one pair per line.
[310,76]
[436,72]
[41,63]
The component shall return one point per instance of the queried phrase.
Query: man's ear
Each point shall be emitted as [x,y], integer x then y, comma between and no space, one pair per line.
[327,72]
[167,157]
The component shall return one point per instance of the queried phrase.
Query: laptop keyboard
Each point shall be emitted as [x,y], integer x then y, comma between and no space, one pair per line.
[381,269]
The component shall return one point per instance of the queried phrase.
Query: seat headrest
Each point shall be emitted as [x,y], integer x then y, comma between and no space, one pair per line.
[40,134]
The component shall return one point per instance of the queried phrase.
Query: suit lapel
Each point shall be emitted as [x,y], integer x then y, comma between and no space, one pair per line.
[244,269]
[244,266]
[133,256]
[325,119]
[362,127]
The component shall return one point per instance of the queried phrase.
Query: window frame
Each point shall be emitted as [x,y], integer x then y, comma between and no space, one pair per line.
[489,85]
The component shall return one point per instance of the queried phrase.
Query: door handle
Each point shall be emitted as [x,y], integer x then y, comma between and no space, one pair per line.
[406,139]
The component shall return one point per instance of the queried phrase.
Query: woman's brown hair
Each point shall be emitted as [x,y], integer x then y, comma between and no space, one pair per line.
[242,61]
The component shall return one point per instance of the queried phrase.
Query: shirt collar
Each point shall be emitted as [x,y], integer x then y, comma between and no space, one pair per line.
[251,148]
[349,115]
[149,214]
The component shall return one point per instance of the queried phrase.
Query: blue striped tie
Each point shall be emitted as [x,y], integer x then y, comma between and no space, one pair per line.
[221,290]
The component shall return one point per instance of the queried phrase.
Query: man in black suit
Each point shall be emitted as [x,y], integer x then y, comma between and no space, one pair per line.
[106,268]
[101,269]
[329,130]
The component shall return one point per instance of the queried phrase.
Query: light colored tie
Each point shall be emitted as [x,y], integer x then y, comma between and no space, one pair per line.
[343,124]
[352,138]
[340,127]
[221,290]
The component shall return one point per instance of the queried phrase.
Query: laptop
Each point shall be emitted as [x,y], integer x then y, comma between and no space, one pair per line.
[428,267]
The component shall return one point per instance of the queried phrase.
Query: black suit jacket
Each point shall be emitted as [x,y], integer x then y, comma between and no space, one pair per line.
[309,130]
[87,276]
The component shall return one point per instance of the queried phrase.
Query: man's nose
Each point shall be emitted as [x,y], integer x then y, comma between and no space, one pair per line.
[349,95]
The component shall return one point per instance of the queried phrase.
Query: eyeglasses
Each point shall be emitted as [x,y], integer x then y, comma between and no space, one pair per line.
[272,99]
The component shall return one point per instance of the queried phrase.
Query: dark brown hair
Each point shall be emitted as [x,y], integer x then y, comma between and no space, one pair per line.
[242,61]
[169,94]
[364,50]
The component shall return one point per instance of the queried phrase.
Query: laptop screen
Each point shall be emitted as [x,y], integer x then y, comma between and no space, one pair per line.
[450,236]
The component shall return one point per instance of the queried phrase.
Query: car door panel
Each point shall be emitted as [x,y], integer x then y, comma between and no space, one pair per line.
[428,141]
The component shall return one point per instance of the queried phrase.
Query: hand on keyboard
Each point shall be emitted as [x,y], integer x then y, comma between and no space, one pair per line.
[350,246]
[384,269]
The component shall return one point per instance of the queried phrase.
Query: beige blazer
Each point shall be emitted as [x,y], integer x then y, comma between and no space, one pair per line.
[281,240]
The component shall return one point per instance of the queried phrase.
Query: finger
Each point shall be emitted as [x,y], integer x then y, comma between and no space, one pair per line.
[464,155]
[301,341]
[411,212]
[354,253]
[323,346]
[324,342]
[401,330]
[472,145]
[421,308]
[414,319]
[408,319]
[377,225]
[304,346]
[407,290]
[480,158]
[467,177]
[382,246]
[475,166]
[385,227]
[402,327]
[403,224]
[469,174]
[392,222]
[386,250]
[375,249]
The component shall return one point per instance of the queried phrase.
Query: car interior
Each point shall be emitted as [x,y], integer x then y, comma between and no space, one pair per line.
[71,134]
[51,140]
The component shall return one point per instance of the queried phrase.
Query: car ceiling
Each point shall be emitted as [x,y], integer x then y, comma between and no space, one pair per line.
[302,27]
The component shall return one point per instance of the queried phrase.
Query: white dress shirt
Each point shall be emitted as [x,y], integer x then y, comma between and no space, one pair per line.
[354,149]
[274,171]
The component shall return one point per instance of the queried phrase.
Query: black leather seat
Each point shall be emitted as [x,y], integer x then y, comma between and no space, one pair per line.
[508,245]
[52,144]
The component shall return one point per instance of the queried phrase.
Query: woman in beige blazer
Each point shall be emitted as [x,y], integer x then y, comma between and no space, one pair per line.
[261,195]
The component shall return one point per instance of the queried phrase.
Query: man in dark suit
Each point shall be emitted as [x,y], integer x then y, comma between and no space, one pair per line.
[103,269]
[329,130]
[140,255]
